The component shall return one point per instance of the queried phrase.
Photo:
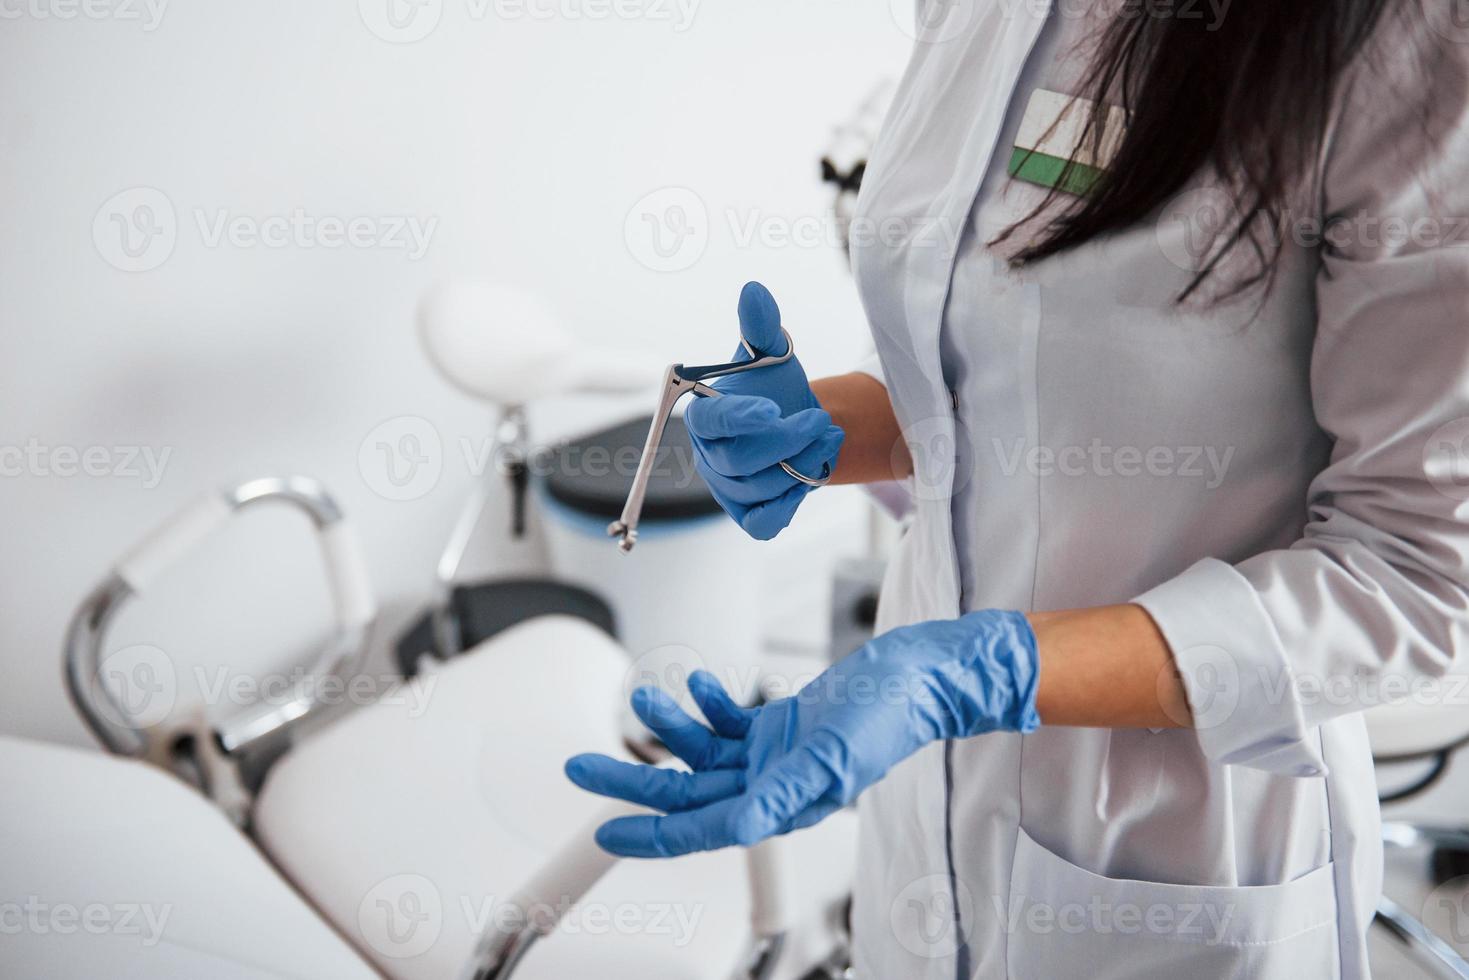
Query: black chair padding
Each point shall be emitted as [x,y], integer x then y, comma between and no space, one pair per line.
[488,608]
[593,474]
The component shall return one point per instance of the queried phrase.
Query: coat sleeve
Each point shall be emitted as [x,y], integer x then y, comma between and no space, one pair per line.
[1373,599]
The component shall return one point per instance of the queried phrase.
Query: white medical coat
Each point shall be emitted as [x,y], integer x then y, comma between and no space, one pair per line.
[1279,482]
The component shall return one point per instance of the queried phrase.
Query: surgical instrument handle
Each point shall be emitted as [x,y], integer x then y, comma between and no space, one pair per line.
[678,381]
[675,386]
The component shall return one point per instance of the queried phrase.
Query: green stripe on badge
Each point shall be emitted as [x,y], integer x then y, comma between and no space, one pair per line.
[1048,171]
[1053,130]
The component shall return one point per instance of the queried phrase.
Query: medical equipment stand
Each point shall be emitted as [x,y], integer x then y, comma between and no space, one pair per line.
[446,634]
[510,451]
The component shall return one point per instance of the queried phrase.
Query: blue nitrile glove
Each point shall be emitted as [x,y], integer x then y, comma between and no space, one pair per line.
[763,417]
[789,763]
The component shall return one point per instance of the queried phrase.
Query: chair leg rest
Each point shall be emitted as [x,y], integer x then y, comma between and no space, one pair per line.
[1419,939]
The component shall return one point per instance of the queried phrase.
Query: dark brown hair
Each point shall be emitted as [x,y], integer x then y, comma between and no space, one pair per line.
[1247,96]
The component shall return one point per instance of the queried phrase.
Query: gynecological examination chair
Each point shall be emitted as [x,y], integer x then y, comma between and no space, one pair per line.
[411,838]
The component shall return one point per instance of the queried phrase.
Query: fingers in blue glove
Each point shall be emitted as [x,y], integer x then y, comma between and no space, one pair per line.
[764,521]
[738,494]
[756,441]
[730,415]
[649,836]
[776,803]
[685,737]
[715,419]
[760,321]
[745,492]
[820,456]
[668,790]
[724,716]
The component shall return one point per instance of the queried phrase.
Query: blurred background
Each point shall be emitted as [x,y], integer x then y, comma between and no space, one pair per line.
[220,220]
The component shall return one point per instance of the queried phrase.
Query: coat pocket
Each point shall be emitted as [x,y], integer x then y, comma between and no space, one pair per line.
[1064,921]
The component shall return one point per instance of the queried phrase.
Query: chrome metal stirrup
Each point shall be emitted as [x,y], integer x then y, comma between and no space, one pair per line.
[678,381]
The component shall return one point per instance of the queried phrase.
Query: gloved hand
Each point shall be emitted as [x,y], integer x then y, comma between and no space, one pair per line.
[789,763]
[763,417]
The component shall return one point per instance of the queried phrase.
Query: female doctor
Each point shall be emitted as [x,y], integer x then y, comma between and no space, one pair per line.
[1172,313]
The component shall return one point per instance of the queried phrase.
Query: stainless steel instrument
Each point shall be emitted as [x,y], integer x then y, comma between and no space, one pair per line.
[680,380]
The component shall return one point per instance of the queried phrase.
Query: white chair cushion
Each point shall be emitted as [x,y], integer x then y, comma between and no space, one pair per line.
[112,868]
[407,826]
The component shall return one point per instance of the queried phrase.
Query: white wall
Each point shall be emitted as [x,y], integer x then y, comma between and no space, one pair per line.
[524,141]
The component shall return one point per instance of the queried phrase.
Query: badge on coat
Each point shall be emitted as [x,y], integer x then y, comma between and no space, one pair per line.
[1053,133]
